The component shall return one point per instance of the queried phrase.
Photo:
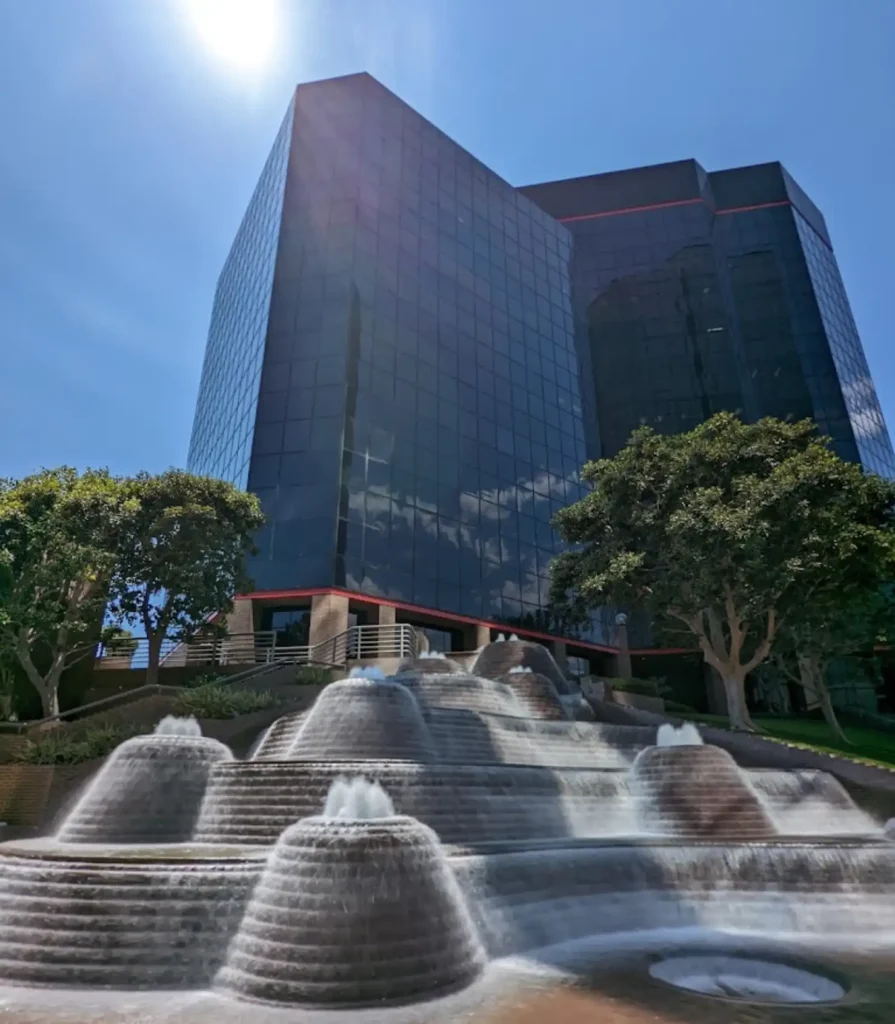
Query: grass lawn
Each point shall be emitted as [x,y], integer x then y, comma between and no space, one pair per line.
[866,744]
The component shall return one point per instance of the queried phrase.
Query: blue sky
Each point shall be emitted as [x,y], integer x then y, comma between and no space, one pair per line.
[130,147]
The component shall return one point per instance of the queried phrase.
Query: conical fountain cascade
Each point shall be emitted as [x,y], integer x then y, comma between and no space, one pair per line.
[354,912]
[698,792]
[537,693]
[496,659]
[363,718]
[427,665]
[149,790]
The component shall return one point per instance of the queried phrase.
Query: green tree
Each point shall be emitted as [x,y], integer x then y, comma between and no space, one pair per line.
[728,531]
[849,616]
[183,554]
[59,533]
[119,642]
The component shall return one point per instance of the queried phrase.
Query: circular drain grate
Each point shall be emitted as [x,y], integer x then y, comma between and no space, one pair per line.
[746,980]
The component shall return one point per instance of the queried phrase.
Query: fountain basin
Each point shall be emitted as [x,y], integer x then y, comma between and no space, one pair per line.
[747,979]
[116,919]
[470,693]
[840,893]
[51,849]
[537,694]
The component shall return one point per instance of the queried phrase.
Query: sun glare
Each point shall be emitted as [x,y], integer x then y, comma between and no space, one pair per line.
[240,32]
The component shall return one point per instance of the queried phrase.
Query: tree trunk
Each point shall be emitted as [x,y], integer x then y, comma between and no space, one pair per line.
[48,690]
[155,651]
[49,697]
[811,677]
[735,691]
[832,721]
[808,676]
[47,686]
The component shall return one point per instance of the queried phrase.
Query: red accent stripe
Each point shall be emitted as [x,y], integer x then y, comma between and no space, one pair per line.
[629,209]
[404,606]
[758,206]
[665,206]
[648,651]
[455,617]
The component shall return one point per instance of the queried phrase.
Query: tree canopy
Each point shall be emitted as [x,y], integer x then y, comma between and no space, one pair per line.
[850,615]
[59,536]
[166,551]
[732,531]
[182,556]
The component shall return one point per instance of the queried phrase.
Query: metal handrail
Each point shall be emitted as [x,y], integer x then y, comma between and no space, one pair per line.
[105,703]
[356,643]
[127,696]
[229,649]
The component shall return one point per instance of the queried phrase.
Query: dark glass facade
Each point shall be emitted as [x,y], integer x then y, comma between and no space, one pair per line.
[419,416]
[409,360]
[224,423]
[698,292]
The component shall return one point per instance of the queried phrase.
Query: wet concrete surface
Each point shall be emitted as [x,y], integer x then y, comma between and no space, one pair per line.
[615,989]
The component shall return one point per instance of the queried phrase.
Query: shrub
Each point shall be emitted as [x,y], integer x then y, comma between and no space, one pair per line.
[313,675]
[203,679]
[62,747]
[212,701]
[644,687]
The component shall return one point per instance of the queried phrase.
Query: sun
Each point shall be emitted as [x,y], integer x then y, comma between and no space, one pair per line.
[240,32]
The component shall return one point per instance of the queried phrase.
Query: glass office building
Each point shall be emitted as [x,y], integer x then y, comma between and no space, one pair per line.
[699,292]
[415,393]
[409,360]
[226,410]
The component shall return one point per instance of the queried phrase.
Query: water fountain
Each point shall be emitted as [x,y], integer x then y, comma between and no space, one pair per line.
[119,897]
[356,907]
[428,663]
[697,791]
[381,847]
[361,718]
[150,788]
[495,660]
[686,735]
[536,692]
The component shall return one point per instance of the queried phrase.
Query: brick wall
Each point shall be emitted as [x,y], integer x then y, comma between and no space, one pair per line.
[33,795]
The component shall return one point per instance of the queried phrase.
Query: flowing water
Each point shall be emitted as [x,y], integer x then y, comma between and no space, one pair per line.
[382,845]
[149,790]
[354,912]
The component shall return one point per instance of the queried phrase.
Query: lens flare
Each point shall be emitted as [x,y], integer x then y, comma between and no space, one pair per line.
[240,32]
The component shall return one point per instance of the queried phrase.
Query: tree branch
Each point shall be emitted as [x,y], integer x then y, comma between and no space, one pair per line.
[716,635]
[764,648]
[734,625]
[694,622]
